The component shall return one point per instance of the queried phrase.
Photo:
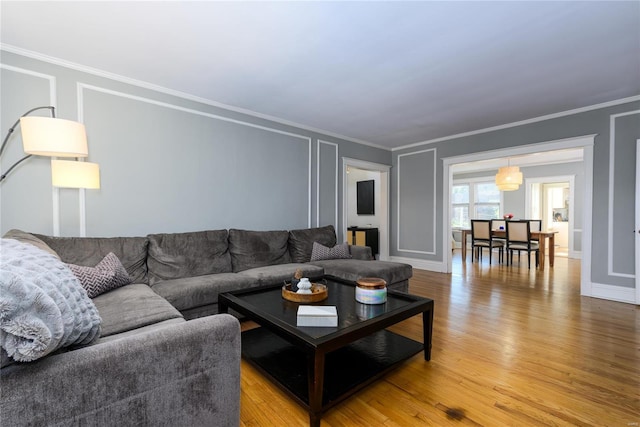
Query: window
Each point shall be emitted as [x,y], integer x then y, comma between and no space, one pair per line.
[476,198]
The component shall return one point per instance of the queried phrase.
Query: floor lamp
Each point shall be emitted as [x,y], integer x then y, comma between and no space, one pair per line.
[51,137]
[76,174]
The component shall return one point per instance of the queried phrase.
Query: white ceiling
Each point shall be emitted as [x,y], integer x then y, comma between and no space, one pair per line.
[386,73]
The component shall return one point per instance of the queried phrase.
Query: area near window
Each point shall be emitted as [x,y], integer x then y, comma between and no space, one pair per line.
[476,198]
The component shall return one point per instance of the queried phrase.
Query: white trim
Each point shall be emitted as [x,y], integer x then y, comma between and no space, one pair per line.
[612,165]
[179,94]
[82,86]
[586,142]
[612,293]
[471,182]
[398,248]
[335,224]
[571,179]
[421,264]
[637,229]
[53,101]
[524,122]
[370,166]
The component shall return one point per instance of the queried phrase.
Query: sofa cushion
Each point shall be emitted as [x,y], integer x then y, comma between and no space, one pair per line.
[251,249]
[196,291]
[301,241]
[353,269]
[131,307]
[173,256]
[321,252]
[24,237]
[108,274]
[89,251]
[277,274]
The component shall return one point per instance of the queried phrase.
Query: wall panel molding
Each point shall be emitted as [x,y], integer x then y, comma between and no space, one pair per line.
[612,165]
[399,247]
[53,101]
[335,189]
[83,87]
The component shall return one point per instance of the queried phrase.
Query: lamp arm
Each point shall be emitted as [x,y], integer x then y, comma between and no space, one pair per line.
[12,128]
[4,175]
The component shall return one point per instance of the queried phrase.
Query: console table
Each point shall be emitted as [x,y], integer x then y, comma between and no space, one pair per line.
[364,237]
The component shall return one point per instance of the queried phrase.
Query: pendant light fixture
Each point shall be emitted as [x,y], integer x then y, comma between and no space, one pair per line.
[508,177]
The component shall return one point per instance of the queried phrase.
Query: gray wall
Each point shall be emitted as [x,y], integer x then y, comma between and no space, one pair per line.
[416,178]
[168,163]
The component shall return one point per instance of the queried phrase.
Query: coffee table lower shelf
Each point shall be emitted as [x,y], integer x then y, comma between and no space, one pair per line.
[347,369]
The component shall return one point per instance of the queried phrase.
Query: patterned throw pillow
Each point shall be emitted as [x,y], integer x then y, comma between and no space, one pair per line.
[107,275]
[320,252]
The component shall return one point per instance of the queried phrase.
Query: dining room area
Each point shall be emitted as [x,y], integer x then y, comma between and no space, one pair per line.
[527,221]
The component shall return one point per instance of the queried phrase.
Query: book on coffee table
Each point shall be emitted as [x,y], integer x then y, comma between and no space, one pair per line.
[317,315]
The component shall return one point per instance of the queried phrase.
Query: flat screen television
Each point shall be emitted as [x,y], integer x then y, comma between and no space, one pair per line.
[365,197]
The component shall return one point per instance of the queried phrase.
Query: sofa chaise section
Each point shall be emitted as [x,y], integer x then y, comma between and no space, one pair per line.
[171,374]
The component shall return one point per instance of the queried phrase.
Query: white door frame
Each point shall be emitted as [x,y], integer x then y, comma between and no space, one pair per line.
[571,179]
[385,175]
[637,230]
[586,142]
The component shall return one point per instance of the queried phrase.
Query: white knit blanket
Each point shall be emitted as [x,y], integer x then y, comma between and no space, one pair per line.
[43,307]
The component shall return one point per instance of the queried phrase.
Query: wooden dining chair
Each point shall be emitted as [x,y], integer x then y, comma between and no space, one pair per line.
[499,224]
[535,225]
[519,239]
[481,238]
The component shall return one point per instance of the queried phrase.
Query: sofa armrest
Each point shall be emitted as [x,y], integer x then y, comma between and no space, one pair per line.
[361,252]
[179,374]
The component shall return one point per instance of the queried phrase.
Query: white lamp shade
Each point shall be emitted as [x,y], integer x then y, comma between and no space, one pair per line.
[73,174]
[47,136]
[508,178]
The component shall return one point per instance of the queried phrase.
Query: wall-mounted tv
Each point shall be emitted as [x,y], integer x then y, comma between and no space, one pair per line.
[365,197]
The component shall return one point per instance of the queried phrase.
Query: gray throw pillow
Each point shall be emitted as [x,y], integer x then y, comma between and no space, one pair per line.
[301,241]
[107,275]
[321,252]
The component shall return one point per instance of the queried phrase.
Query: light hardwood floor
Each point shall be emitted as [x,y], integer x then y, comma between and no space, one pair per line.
[511,347]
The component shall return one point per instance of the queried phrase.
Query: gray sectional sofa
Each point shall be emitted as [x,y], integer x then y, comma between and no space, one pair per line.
[164,356]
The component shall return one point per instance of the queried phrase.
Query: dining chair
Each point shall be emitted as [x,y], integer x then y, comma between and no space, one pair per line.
[536,225]
[481,238]
[519,239]
[499,224]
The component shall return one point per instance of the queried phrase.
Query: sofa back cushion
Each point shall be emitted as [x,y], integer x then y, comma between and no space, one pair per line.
[24,237]
[251,249]
[89,251]
[301,241]
[179,255]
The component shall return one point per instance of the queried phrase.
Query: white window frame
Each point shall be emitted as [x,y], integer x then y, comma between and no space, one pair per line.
[472,195]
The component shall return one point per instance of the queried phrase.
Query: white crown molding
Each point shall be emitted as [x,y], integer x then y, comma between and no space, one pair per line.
[176,93]
[523,122]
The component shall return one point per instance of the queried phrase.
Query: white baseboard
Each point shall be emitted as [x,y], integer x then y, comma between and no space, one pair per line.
[613,293]
[421,264]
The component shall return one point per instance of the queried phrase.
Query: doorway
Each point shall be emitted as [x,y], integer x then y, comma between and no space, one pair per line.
[358,170]
[552,200]
[585,142]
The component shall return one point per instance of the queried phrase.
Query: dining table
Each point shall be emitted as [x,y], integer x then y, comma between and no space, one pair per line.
[545,239]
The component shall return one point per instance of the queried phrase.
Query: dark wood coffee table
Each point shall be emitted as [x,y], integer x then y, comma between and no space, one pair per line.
[320,367]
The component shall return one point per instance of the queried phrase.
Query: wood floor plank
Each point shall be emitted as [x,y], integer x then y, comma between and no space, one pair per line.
[511,347]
